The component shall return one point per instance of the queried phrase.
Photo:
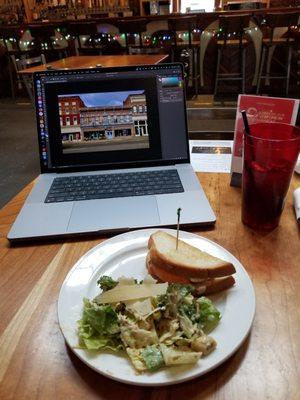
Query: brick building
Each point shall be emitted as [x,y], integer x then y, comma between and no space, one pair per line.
[106,122]
[137,102]
[81,123]
[69,116]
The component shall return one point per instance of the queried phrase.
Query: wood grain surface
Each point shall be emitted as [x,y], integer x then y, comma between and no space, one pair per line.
[36,364]
[77,62]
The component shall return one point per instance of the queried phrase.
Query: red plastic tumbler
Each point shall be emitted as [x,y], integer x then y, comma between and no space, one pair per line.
[270,154]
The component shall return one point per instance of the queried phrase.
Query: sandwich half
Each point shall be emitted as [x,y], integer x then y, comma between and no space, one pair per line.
[187,265]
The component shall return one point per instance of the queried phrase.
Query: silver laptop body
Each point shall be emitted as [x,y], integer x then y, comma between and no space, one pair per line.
[110,121]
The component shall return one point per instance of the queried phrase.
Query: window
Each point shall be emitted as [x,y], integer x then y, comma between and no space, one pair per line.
[141,128]
[140,109]
[73,103]
[75,122]
[67,120]
[134,109]
[66,104]
[194,5]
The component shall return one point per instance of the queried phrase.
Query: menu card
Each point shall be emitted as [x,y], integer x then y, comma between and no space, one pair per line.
[258,109]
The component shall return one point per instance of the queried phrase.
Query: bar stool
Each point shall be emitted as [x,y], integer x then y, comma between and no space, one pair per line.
[44,41]
[85,34]
[232,35]
[133,29]
[10,37]
[206,25]
[277,33]
[182,30]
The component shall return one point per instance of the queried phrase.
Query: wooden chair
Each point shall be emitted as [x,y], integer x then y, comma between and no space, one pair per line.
[23,63]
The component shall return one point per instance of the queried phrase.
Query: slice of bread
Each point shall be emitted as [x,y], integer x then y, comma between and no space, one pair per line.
[163,275]
[186,260]
[207,286]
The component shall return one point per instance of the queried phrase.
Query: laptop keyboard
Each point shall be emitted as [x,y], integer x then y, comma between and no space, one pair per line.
[88,187]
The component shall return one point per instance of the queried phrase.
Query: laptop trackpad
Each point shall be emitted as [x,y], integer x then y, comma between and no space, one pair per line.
[106,214]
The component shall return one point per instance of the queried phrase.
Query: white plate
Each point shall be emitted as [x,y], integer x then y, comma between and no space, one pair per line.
[124,255]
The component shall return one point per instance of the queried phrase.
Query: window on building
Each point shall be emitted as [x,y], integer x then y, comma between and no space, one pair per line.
[73,103]
[66,104]
[75,121]
[67,120]
[134,109]
[141,128]
[140,109]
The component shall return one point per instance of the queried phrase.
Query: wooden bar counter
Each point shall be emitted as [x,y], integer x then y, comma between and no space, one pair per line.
[36,363]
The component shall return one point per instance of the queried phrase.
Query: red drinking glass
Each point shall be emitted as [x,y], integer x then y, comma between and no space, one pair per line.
[270,154]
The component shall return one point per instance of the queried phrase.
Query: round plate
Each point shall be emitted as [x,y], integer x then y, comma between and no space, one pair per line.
[124,255]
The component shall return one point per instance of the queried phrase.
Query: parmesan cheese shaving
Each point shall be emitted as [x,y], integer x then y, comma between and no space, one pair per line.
[131,292]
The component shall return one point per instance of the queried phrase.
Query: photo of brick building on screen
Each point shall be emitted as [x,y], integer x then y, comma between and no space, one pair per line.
[103,121]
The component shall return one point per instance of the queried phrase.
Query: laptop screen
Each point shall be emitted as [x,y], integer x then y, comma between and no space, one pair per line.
[111,117]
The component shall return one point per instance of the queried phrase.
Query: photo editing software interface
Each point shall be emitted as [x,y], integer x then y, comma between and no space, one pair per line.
[106,117]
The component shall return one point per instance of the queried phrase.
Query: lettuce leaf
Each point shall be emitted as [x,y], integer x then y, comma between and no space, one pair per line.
[209,314]
[98,327]
[152,358]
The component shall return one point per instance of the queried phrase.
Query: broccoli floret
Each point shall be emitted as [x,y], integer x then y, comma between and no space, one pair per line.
[106,283]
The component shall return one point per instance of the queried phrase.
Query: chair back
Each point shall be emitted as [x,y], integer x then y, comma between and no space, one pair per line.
[132,26]
[85,28]
[24,63]
[82,28]
[179,24]
[163,39]
[42,32]
[233,27]
[203,21]
[279,20]
[11,34]
[185,23]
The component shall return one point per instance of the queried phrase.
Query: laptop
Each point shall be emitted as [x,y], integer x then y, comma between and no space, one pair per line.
[114,154]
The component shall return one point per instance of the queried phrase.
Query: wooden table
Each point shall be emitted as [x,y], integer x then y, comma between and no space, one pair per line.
[36,364]
[77,62]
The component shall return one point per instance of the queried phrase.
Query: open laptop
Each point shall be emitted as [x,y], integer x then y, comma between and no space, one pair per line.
[114,154]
